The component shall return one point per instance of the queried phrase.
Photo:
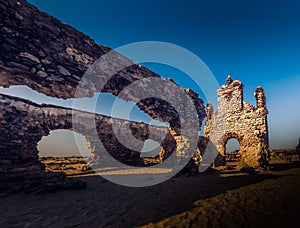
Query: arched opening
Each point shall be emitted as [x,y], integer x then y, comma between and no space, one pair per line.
[152,152]
[150,149]
[64,151]
[232,149]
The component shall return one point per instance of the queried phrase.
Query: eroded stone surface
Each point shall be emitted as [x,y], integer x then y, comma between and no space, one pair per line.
[24,123]
[39,51]
[235,118]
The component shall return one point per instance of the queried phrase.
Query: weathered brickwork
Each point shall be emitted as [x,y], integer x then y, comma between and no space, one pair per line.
[24,123]
[38,51]
[235,118]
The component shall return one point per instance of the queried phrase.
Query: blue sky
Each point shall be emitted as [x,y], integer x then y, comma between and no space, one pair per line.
[256,42]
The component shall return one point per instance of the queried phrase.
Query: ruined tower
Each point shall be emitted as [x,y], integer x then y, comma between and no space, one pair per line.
[234,118]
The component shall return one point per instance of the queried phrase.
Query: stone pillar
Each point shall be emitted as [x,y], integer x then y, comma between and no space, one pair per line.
[208,123]
[260,97]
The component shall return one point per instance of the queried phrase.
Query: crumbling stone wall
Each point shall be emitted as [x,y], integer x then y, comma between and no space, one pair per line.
[24,123]
[235,118]
[38,51]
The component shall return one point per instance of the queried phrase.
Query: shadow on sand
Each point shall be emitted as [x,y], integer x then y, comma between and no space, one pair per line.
[104,203]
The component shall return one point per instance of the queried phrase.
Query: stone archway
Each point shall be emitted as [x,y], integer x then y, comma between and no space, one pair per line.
[64,150]
[232,145]
[64,143]
[236,118]
[53,63]
[225,140]
[24,123]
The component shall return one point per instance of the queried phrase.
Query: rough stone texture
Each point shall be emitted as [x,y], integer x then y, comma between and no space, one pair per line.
[50,57]
[237,119]
[33,42]
[38,51]
[68,165]
[24,123]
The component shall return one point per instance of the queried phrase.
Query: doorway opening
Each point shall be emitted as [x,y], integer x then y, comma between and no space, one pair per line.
[232,150]
[152,152]
[65,151]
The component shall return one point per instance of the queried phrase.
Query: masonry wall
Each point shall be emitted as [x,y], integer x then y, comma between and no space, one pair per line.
[38,51]
[235,118]
[24,123]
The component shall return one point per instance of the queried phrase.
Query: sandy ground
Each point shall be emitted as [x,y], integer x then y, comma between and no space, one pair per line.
[213,199]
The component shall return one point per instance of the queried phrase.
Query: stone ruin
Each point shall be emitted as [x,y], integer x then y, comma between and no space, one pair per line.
[24,123]
[234,118]
[38,51]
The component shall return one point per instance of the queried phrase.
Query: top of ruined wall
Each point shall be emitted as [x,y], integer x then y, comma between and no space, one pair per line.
[231,98]
[23,123]
[35,45]
[39,51]
[232,107]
